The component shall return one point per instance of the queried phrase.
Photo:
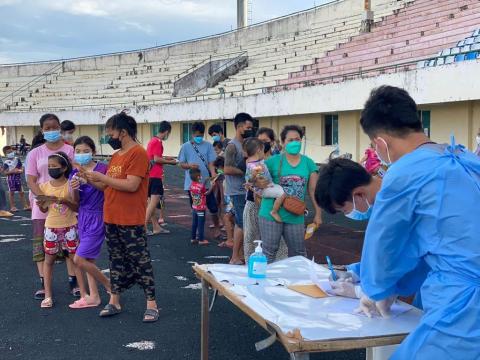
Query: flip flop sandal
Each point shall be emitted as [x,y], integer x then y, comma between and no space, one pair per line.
[39,294]
[109,310]
[47,303]
[154,313]
[82,304]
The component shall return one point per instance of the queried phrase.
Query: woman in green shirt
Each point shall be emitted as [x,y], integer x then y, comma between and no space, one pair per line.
[297,174]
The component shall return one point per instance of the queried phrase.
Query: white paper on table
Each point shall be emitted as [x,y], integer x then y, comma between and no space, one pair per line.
[322,284]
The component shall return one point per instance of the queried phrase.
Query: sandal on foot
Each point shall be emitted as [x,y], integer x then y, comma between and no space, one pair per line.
[47,303]
[82,304]
[153,313]
[39,294]
[109,310]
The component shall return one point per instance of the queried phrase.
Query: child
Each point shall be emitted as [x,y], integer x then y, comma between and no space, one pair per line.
[61,223]
[218,147]
[253,147]
[198,193]
[13,168]
[372,163]
[91,229]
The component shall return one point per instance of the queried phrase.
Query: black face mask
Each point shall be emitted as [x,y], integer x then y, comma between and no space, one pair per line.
[115,143]
[248,134]
[55,173]
[267,147]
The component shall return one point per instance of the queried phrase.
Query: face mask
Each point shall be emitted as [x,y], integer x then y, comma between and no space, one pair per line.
[67,137]
[115,143]
[248,134]
[358,215]
[293,147]
[83,159]
[52,136]
[55,173]
[478,140]
[216,138]
[267,147]
[11,155]
[387,162]
[198,139]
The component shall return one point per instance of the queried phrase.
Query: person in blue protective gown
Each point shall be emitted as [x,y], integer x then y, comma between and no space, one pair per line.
[426,211]
[345,186]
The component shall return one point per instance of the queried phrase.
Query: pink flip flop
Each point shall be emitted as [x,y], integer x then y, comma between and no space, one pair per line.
[82,304]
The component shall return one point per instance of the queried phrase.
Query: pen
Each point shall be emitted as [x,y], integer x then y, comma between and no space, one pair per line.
[330,267]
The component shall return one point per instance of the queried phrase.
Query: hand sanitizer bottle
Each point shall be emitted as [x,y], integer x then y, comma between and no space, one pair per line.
[257,263]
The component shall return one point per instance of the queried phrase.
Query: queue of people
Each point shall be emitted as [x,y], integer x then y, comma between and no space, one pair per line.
[420,239]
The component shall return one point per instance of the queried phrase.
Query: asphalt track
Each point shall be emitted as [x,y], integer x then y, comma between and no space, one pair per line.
[28,332]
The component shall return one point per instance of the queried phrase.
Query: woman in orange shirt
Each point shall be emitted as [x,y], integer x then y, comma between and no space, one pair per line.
[125,186]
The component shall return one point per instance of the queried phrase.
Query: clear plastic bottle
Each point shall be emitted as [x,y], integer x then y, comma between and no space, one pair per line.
[257,263]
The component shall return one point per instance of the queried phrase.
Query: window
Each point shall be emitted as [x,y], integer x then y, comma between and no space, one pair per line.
[102,135]
[425,119]
[330,130]
[186,132]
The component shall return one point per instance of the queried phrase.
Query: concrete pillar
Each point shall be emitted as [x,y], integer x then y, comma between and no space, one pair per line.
[242,13]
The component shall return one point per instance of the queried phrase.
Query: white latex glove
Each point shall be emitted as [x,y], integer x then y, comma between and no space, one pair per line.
[343,287]
[370,307]
[342,275]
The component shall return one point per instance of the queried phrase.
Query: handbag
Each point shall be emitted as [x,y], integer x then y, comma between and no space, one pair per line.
[291,203]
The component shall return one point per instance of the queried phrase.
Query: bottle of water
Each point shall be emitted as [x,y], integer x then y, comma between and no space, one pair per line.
[257,263]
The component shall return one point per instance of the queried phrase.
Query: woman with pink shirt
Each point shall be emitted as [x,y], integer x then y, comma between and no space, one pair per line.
[370,161]
[37,173]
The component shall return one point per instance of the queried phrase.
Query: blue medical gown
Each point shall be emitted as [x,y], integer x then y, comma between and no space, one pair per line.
[427,210]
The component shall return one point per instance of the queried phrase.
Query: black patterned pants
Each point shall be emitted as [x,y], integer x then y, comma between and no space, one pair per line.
[130,261]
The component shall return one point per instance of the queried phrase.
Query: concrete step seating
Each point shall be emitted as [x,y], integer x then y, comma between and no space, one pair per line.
[422,28]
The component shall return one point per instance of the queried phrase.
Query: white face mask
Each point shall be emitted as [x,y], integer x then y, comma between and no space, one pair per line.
[478,139]
[387,161]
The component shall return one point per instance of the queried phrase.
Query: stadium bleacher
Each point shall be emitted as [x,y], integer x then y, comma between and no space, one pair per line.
[151,82]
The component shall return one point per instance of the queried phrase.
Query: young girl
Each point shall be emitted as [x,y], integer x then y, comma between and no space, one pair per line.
[198,192]
[61,224]
[91,229]
[370,161]
[254,148]
[13,168]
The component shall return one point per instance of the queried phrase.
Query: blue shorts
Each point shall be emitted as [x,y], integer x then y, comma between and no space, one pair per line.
[238,205]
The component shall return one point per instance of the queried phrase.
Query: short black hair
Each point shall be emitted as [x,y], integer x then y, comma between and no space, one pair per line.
[164,127]
[194,174]
[219,162]
[286,129]
[241,118]
[67,125]
[252,145]
[215,128]
[6,148]
[336,181]
[46,117]
[218,144]
[122,121]
[87,140]
[391,110]
[267,131]
[64,161]
[198,127]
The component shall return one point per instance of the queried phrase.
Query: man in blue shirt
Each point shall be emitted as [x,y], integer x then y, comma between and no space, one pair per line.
[199,154]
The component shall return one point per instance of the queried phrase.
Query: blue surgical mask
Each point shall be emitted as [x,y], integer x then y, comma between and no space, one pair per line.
[198,139]
[52,136]
[359,215]
[83,159]
[216,138]
[11,155]
[388,161]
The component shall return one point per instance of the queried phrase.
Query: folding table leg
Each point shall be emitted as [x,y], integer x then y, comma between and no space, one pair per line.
[300,356]
[204,321]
